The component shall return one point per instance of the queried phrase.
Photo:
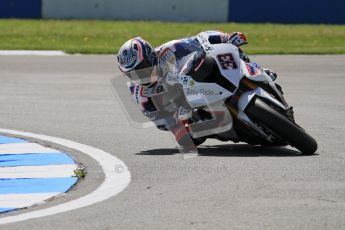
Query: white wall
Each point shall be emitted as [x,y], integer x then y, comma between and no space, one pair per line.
[166,10]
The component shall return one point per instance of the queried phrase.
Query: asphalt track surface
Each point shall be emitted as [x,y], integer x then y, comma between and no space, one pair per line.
[230,186]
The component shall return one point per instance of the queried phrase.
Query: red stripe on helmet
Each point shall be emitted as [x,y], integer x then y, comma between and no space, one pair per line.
[140,51]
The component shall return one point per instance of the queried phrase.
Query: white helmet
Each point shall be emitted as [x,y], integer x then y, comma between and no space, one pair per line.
[136,54]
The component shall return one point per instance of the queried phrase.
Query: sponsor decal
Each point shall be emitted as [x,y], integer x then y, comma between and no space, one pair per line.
[166,55]
[192,83]
[204,92]
[159,89]
[185,80]
[253,68]
[207,48]
[137,93]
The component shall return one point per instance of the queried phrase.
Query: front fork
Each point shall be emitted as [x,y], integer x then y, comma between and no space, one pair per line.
[267,91]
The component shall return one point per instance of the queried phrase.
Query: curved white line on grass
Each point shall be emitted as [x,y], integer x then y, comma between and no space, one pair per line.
[117,177]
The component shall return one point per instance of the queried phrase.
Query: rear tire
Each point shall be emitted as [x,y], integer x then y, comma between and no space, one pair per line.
[265,115]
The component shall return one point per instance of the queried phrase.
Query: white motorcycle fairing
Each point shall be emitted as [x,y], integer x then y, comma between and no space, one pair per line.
[201,94]
[212,96]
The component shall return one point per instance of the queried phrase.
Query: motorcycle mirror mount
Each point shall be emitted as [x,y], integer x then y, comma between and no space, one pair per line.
[272,74]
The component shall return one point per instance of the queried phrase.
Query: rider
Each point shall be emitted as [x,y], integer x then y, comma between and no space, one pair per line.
[159,68]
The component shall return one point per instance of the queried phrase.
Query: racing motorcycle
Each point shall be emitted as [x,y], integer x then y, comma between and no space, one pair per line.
[233,100]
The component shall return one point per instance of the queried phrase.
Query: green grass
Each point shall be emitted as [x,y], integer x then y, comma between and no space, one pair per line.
[77,36]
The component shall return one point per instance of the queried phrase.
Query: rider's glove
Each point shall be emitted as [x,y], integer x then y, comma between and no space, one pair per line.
[171,78]
[237,39]
[183,114]
[243,56]
[272,74]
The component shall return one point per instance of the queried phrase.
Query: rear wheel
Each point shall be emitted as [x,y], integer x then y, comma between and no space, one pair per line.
[265,115]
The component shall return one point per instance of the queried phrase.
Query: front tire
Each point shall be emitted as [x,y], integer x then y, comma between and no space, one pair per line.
[265,115]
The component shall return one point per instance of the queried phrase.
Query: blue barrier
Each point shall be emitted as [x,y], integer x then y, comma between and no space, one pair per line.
[20,8]
[287,11]
[274,11]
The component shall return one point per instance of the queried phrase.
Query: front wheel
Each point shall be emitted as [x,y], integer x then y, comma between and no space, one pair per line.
[266,116]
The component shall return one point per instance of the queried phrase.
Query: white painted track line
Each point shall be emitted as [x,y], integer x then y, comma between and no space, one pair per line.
[45,171]
[32,52]
[24,200]
[114,181]
[20,148]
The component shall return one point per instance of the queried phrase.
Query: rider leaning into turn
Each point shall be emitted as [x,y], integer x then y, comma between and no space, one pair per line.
[178,57]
